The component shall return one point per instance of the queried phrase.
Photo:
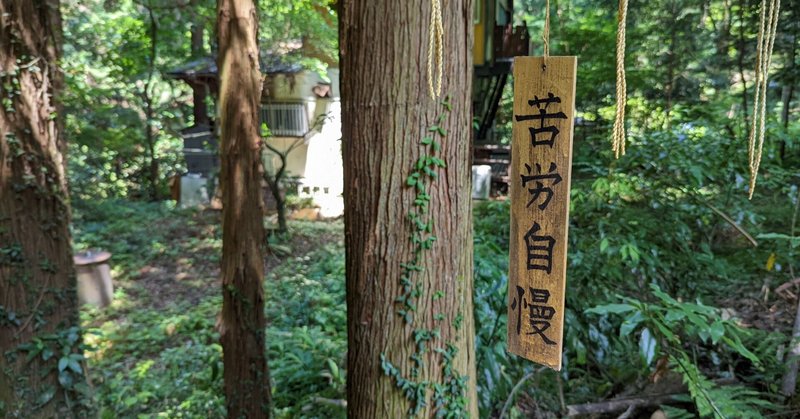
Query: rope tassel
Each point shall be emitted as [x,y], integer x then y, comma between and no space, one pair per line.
[766,40]
[618,134]
[435,41]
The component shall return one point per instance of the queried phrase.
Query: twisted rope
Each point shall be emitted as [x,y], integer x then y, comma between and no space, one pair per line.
[618,134]
[546,32]
[767,30]
[435,43]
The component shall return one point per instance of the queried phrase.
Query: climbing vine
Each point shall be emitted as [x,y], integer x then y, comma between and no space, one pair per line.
[449,399]
[59,353]
[42,371]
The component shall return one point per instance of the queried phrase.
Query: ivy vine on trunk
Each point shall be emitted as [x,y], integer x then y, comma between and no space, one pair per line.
[409,296]
[41,353]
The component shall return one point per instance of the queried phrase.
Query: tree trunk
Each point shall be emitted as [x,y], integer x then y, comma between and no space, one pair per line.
[386,112]
[37,279]
[150,139]
[280,206]
[149,112]
[786,97]
[742,50]
[199,90]
[242,324]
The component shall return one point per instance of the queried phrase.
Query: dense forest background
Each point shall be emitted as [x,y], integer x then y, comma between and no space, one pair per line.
[669,298]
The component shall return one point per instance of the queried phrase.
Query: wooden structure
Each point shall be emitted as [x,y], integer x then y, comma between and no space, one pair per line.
[302,113]
[544,111]
[497,42]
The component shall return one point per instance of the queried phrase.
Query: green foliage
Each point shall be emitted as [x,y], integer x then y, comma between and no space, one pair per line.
[59,353]
[165,362]
[609,255]
[111,82]
[718,401]
[497,372]
[677,323]
[307,335]
[685,332]
[115,226]
[650,219]
[159,355]
[314,22]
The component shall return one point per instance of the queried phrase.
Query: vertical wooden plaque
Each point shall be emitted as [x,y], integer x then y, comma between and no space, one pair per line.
[539,177]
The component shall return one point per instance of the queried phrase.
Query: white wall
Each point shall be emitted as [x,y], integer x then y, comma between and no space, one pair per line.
[323,176]
[318,161]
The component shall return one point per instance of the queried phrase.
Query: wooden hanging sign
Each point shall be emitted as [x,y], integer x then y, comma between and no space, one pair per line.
[539,177]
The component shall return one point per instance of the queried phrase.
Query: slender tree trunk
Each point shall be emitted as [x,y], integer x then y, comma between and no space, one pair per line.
[742,50]
[199,90]
[275,179]
[37,279]
[280,207]
[386,112]
[277,192]
[669,88]
[150,139]
[274,182]
[786,96]
[149,112]
[242,324]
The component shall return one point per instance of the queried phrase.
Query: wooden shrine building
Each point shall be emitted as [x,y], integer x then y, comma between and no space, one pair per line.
[497,42]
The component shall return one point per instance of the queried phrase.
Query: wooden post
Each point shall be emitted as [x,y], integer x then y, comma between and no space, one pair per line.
[541,163]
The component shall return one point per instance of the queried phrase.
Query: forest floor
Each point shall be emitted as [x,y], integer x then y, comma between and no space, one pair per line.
[155,351]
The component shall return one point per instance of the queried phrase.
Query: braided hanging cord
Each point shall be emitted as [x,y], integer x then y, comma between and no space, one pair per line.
[435,41]
[546,32]
[618,134]
[768,26]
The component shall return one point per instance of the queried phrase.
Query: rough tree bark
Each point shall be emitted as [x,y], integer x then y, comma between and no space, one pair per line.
[37,279]
[386,111]
[242,323]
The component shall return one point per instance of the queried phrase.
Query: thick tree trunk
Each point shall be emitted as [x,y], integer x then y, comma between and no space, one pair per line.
[242,324]
[37,279]
[386,112]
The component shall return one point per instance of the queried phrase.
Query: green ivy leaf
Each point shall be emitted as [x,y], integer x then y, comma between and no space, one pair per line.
[63,363]
[45,396]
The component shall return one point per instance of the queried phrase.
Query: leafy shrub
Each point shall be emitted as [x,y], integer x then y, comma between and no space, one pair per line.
[165,363]
[686,334]
[307,335]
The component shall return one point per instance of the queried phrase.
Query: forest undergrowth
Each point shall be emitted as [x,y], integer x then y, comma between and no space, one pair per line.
[640,314]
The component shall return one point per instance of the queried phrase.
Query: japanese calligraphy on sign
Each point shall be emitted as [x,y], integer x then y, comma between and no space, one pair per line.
[539,176]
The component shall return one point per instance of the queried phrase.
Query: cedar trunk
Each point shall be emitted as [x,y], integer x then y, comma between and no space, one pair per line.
[37,279]
[386,110]
[242,323]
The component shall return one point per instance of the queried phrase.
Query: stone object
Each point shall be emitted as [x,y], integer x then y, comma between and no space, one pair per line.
[94,278]
[481,181]
[194,191]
